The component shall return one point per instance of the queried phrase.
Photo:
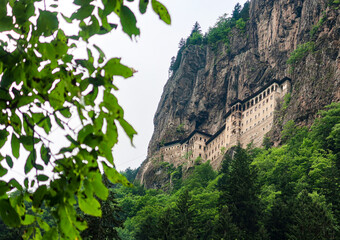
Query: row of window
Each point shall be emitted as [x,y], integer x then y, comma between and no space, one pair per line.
[250,103]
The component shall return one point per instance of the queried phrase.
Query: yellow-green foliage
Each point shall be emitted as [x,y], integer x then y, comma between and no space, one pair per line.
[300,52]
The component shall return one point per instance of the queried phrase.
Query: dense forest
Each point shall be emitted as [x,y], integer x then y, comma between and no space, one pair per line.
[285,192]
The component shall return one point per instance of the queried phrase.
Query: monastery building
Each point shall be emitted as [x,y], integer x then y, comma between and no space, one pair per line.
[247,121]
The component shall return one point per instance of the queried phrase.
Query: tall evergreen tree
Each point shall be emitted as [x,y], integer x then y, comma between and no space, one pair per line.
[240,193]
[236,11]
[184,214]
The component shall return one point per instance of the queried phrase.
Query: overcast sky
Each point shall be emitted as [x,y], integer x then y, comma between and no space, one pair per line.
[151,55]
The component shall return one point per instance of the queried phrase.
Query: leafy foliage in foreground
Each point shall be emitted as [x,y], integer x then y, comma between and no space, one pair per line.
[44,86]
[288,192]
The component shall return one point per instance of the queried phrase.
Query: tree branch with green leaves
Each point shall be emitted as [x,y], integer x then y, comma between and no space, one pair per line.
[44,86]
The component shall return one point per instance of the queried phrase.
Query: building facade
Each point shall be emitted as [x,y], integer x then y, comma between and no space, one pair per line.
[247,121]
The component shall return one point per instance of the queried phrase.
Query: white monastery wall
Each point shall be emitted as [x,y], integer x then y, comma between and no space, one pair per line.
[247,121]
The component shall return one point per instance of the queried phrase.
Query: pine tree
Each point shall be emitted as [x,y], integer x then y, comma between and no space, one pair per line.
[240,193]
[184,214]
[236,11]
[196,28]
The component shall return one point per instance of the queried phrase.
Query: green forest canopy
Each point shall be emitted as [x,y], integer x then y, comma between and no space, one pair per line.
[286,192]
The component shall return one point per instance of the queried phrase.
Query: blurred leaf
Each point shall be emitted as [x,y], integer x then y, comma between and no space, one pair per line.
[83,12]
[129,130]
[9,161]
[8,215]
[15,143]
[45,154]
[143,4]
[30,161]
[128,21]
[42,178]
[115,177]
[3,137]
[161,10]
[114,68]
[14,183]
[47,23]
[89,205]
[38,196]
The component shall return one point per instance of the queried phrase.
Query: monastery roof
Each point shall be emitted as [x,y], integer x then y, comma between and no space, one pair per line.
[172,143]
[216,134]
[257,93]
[193,133]
[187,138]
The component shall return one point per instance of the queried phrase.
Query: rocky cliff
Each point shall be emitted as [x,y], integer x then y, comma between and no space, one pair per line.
[198,94]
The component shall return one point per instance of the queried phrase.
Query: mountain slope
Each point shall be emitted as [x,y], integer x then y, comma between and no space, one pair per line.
[208,79]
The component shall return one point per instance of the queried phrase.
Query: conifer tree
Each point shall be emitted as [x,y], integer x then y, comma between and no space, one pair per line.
[240,193]
[184,214]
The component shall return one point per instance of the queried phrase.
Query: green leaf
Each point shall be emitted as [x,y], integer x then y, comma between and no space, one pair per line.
[9,161]
[128,21]
[72,140]
[56,97]
[30,161]
[89,205]
[66,214]
[66,112]
[143,4]
[6,23]
[3,137]
[43,225]
[27,141]
[83,12]
[100,190]
[14,183]
[92,140]
[129,130]
[39,195]
[84,132]
[115,177]
[58,122]
[15,143]
[114,68]
[8,214]
[3,171]
[16,124]
[45,154]
[51,234]
[47,23]
[86,64]
[28,220]
[42,177]
[3,188]
[67,19]
[89,30]
[38,167]
[161,10]
[101,54]
[26,183]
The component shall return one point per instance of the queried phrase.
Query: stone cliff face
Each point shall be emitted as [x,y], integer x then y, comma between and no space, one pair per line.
[198,94]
